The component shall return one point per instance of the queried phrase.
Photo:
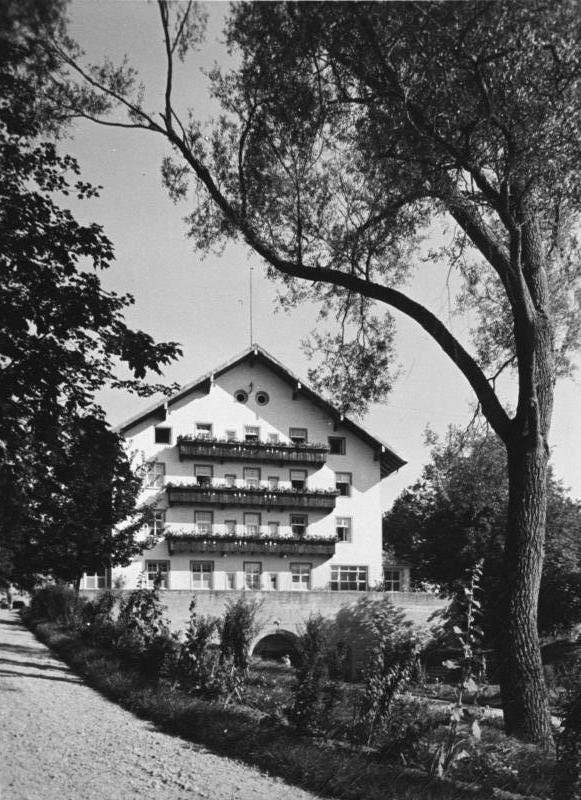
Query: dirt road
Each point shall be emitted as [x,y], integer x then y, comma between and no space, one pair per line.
[60,740]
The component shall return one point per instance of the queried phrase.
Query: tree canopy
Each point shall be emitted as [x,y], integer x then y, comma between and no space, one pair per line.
[455,515]
[62,336]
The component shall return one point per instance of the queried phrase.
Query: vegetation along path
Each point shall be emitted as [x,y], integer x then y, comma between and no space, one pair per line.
[61,739]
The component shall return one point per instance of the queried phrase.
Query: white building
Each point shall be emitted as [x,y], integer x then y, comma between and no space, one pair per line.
[258,484]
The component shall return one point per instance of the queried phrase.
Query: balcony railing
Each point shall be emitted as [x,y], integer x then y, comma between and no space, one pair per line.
[282,546]
[261,497]
[237,450]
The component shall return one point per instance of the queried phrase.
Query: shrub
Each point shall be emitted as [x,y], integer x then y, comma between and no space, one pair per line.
[144,634]
[57,603]
[197,663]
[238,629]
[314,693]
[359,627]
[100,625]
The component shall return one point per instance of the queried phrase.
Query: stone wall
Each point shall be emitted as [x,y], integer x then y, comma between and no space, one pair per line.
[287,611]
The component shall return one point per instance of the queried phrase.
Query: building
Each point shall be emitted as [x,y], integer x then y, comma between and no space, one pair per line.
[258,484]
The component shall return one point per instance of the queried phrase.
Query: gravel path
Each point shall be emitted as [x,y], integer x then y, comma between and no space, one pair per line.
[60,740]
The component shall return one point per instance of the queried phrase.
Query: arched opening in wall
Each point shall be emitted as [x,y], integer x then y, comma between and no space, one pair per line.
[277,647]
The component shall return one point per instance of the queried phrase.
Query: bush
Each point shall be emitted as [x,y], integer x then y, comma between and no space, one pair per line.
[144,633]
[238,629]
[314,692]
[100,625]
[57,603]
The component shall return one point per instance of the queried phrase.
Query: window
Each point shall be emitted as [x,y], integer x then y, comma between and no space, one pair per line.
[204,520]
[298,524]
[96,581]
[241,396]
[300,577]
[202,574]
[230,527]
[230,480]
[337,445]
[251,433]
[203,430]
[273,577]
[252,476]
[252,572]
[273,482]
[262,398]
[230,580]
[273,438]
[231,435]
[157,570]
[343,483]
[154,475]
[392,580]
[252,524]
[349,579]
[163,435]
[273,528]
[343,529]
[297,435]
[158,520]
[203,473]
[298,478]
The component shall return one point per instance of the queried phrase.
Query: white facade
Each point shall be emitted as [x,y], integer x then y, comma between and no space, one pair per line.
[270,489]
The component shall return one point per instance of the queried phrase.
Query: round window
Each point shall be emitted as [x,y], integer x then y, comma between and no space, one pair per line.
[241,396]
[262,398]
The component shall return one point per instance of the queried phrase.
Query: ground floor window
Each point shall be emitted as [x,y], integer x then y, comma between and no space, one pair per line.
[300,576]
[252,572]
[230,580]
[348,579]
[96,581]
[202,574]
[157,570]
[392,580]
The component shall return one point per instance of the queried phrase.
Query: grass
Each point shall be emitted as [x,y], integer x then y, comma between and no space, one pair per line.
[252,733]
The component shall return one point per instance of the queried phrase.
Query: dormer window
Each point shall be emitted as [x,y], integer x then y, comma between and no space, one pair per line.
[203,430]
[297,435]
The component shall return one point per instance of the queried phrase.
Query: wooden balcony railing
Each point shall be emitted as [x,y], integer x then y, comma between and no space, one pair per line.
[282,546]
[236,450]
[259,497]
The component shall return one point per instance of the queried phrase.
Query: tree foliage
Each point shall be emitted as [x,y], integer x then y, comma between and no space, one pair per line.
[455,515]
[64,477]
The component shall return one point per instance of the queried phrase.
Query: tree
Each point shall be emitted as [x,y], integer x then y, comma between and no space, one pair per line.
[346,130]
[459,507]
[64,477]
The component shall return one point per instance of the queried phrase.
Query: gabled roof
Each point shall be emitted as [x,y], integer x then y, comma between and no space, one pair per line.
[389,459]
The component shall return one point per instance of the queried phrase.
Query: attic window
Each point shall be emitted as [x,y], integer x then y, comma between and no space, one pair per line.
[241,396]
[298,435]
[262,398]
[163,435]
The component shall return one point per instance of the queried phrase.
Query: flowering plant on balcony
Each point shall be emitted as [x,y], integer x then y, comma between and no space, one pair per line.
[262,490]
[224,536]
[250,445]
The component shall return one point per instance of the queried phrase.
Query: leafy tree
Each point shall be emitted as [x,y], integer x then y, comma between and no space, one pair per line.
[455,515]
[64,477]
[347,129]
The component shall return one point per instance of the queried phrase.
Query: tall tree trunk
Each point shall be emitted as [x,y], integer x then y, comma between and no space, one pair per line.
[524,694]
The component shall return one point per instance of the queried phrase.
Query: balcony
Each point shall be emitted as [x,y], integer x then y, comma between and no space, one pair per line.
[254,496]
[194,542]
[236,450]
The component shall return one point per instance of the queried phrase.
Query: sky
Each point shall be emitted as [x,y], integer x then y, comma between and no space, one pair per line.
[203,303]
